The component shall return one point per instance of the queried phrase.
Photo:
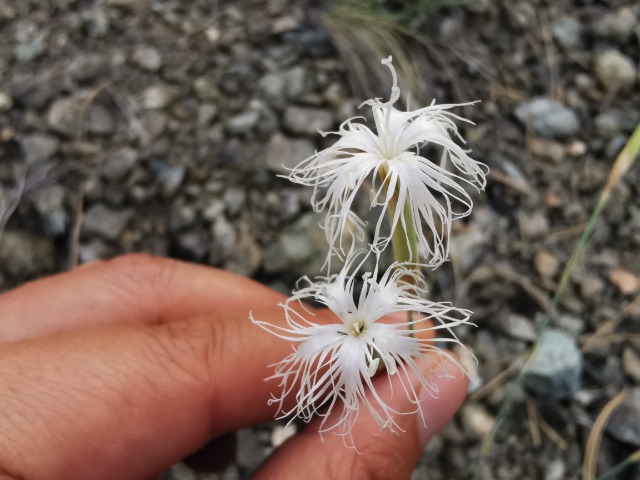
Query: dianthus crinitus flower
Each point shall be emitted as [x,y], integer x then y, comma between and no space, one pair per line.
[333,364]
[431,194]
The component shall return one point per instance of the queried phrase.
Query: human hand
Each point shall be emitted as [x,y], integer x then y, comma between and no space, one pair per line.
[121,368]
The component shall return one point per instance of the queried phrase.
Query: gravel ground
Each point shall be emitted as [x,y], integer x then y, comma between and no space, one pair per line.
[160,126]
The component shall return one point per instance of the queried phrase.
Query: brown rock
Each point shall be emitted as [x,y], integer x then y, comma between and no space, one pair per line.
[546,263]
[546,149]
[625,281]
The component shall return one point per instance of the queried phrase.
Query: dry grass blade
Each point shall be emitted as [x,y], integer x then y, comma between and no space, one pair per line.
[595,436]
[511,182]
[527,285]
[27,182]
[608,327]
[362,38]
[364,32]
[554,436]
[534,425]
[613,338]
[498,380]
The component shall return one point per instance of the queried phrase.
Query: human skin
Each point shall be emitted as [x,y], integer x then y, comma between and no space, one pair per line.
[122,368]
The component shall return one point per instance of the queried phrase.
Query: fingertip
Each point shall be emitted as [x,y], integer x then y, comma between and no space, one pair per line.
[439,404]
[390,454]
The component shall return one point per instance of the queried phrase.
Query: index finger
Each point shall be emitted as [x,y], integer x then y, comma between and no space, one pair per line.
[133,288]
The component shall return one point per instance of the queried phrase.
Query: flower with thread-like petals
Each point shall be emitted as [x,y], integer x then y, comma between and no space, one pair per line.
[333,364]
[435,195]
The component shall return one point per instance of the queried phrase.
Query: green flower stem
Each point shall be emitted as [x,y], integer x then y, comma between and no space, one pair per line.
[404,242]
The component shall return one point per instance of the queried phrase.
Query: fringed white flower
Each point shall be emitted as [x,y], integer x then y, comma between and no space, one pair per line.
[333,364]
[435,195]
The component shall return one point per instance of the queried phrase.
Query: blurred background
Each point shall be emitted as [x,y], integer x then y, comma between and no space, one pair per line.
[160,126]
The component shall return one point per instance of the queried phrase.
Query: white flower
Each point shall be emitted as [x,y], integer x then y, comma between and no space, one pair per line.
[333,364]
[435,195]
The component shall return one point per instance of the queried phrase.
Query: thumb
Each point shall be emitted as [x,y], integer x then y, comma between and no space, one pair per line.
[380,454]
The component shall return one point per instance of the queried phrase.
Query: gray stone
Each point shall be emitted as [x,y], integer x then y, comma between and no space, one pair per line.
[272,88]
[617,120]
[39,147]
[180,472]
[24,254]
[574,325]
[194,243]
[467,247]
[170,176]
[624,424]
[147,58]
[517,326]
[154,124]
[301,249]
[591,286]
[617,26]
[616,71]
[283,154]
[246,256]
[296,81]
[213,209]
[182,217]
[105,222]
[159,96]
[207,112]
[532,225]
[242,123]
[548,117]
[100,121]
[568,32]
[49,203]
[298,246]
[555,470]
[307,120]
[269,122]
[251,451]
[224,237]
[234,199]
[119,163]
[65,116]
[31,49]
[93,250]
[555,371]
[615,145]
[96,21]
[6,102]
[206,88]
[606,124]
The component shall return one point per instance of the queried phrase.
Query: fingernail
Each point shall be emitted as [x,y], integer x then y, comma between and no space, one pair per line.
[440,399]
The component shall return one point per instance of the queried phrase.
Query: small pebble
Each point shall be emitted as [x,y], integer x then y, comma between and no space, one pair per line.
[147,58]
[625,281]
[6,102]
[616,71]
[546,263]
